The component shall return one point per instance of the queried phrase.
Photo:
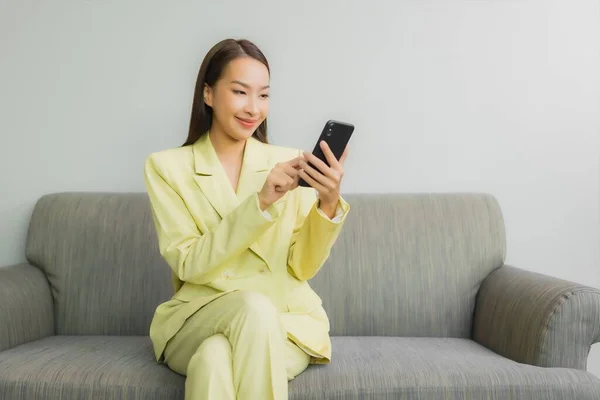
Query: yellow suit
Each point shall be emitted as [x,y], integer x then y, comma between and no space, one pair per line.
[217,241]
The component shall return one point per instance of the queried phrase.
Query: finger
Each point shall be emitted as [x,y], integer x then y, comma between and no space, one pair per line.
[282,181]
[333,162]
[324,177]
[313,183]
[289,170]
[276,179]
[317,176]
[296,180]
[344,155]
[317,163]
[293,162]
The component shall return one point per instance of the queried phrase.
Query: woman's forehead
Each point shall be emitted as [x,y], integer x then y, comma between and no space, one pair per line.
[247,71]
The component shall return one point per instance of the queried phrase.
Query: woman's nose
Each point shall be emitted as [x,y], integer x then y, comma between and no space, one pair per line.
[251,106]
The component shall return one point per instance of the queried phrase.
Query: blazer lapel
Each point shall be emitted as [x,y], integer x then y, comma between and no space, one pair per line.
[212,179]
[255,169]
[214,183]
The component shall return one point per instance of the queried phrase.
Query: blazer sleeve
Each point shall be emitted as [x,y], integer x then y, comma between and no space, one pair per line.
[195,257]
[314,235]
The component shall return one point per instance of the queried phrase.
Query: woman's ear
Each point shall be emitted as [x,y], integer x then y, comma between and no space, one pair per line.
[207,95]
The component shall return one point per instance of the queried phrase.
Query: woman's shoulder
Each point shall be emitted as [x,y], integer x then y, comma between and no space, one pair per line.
[171,153]
[168,159]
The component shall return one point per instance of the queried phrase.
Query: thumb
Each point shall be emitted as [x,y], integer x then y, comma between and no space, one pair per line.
[344,155]
[295,162]
[296,180]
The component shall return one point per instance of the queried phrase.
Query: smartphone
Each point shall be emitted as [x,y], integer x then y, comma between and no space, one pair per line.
[337,135]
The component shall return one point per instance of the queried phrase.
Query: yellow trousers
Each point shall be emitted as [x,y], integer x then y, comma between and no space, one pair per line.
[235,348]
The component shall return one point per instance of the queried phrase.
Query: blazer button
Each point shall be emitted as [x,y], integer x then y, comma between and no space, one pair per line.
[263,271]
[226,274]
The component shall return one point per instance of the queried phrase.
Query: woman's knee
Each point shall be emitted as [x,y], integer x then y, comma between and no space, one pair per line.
[296,360]
[255,304]
[213,349]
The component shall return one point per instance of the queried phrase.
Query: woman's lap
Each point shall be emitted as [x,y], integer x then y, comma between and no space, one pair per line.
[217,318]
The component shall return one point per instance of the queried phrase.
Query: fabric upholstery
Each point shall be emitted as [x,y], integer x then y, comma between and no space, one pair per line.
[25,306]
[411,264]
[444,246]
[87,368]
[434,368]
[537,319]
[101,257]
[401,290]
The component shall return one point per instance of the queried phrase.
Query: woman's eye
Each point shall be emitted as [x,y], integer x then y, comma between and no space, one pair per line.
[238,91]
[264,96]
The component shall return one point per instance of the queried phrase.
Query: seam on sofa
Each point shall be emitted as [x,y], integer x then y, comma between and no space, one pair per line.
[491,199]
[562,299]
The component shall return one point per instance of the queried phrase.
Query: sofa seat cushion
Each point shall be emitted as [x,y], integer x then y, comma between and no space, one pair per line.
[122,367]
[86,367]
[434,368]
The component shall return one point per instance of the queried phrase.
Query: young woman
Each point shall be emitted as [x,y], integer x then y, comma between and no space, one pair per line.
[242,239]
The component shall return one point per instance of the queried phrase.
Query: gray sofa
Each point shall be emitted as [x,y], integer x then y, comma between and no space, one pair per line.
[420,301]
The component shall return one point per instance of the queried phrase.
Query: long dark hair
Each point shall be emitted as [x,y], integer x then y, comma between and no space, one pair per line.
[215,61]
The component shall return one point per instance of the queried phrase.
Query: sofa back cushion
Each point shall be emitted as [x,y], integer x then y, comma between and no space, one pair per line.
[100,254]
[411,264]
[404,265]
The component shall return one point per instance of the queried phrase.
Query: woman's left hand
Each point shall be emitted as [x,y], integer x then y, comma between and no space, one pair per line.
[325,179]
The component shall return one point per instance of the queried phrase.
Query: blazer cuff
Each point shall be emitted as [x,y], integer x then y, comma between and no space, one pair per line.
[340,212]
[270,213]
[337,218]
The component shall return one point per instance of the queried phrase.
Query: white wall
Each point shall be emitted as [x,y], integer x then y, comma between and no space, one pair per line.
[494,96]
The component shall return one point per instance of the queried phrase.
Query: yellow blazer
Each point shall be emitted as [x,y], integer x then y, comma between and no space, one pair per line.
[217,241]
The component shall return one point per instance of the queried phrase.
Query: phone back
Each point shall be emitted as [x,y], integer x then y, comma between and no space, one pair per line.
[337,135]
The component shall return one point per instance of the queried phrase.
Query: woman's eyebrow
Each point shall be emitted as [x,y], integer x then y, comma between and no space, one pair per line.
[246,85]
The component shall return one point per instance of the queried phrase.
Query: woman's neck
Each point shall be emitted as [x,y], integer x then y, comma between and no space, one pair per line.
[228,149]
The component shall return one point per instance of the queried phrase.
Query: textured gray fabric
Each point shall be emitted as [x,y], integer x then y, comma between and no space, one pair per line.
[411,265]
[100,254]
[434,368]
[84,367]
[406,266]
[25,306]
[87,368]
[537,319]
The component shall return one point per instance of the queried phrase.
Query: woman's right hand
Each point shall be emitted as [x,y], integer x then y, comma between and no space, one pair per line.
[282,178]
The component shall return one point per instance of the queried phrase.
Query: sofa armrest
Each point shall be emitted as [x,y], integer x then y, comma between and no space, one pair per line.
[26,311]
[537,319]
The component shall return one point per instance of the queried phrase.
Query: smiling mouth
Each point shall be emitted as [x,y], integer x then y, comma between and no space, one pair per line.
[247,122]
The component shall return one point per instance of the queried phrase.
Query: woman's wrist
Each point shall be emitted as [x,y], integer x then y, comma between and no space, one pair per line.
[262,204]
[329,207]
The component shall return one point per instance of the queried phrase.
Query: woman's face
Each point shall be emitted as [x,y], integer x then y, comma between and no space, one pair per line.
[240,98]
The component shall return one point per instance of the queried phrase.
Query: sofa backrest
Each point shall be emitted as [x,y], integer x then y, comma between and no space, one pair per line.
[411,264]
[404,265]
[100,254]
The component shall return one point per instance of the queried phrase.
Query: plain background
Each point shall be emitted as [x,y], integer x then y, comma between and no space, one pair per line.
[479,96]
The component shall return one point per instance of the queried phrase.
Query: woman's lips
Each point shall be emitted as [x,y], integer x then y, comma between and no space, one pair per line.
[246,123]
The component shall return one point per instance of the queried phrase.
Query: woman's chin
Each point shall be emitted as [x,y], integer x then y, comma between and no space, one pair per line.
[241,134]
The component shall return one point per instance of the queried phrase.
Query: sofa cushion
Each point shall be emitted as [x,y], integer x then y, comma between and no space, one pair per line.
[404,264]
[98,368]
[430,368]
[411,264]
[87,367]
